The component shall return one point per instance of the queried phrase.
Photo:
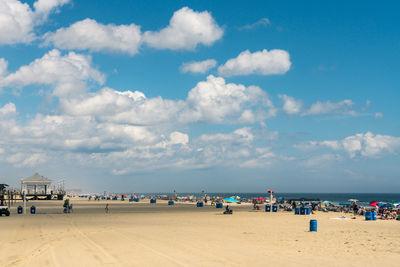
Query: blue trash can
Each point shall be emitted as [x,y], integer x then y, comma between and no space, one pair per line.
[219,205]
[268,208]
[200,204]
[297,211]
[302,211]
[137,199]
[131,200]
[153,201]
[19,210]
[368,216]
[170,203]
[313,225]
[33,210]
[373,216]
[122,199]
[307,211]
[103,198]
[274,208]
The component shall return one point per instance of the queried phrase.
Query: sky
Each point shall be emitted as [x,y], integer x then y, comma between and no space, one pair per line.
[220,96]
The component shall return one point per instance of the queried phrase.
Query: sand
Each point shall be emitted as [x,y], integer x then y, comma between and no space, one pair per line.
[140,234]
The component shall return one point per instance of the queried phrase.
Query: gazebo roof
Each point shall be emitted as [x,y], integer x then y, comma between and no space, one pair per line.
[36,178]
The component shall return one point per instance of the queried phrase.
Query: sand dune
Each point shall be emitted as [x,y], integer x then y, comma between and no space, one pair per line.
[141,234]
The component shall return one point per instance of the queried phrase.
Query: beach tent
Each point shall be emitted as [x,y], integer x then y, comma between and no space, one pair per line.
[229,199]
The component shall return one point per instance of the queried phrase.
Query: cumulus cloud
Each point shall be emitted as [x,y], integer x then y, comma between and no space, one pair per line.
[291,105]
[367,145]
[263,62]
[69,74]
[328,107]
[186,30]
[216,101]
[213,101]
[198,66]
[91,35]
[378,115]
[17,19]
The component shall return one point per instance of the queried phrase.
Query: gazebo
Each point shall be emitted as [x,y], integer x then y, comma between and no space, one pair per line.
[36,185]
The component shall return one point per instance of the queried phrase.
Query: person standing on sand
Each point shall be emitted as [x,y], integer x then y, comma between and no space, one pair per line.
[107,208]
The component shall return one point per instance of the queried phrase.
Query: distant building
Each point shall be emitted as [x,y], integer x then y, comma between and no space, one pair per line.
[36,184]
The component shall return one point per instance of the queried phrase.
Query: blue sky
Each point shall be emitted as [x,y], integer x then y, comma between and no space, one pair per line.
[201,95]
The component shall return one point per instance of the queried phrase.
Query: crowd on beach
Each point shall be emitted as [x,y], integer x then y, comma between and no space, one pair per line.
[383,211]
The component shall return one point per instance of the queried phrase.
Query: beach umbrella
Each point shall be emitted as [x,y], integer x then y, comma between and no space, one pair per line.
[375,203]
[229,199]
[353,200]
[387,205]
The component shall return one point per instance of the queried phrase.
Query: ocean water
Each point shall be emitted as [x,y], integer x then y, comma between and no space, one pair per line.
[334,197]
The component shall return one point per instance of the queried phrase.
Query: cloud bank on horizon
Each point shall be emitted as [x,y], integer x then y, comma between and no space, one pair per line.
[224,120]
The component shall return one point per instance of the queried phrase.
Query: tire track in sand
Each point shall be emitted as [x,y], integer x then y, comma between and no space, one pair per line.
[97,250]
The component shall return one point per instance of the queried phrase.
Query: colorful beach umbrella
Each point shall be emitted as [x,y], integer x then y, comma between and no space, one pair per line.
[375,203]
[229,199]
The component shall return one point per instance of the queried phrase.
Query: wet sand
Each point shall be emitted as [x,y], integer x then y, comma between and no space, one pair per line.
[143,234]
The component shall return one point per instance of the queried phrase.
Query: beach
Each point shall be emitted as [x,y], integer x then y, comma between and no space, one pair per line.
[143,234]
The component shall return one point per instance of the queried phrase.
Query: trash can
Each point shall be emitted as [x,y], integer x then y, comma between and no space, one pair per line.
[268,208]
[274,208]
[108,198]
[200,204]
[368,215]
[373,215]
[122,199]
[153,201]
[170,203]
[307,211]
[219,205]
[131,200]
[297,211]
[313,225]
[137,199]
[33,210]
[19,210]
[302,211]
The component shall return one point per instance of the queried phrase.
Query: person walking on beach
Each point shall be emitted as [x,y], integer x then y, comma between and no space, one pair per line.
[107,209]
[66,205]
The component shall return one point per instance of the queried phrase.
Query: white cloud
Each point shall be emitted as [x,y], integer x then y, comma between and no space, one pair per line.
[198,66]
[378,115]
[186,30]
[91,35]
[69,74]
[8,110]
[328,107]
[291,105]
[216,101]
[212,100]
[263,22]
[17,19]
[367,145]
[263,62]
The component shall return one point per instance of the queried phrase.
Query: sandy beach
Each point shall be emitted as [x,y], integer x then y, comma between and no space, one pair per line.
[143,234]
